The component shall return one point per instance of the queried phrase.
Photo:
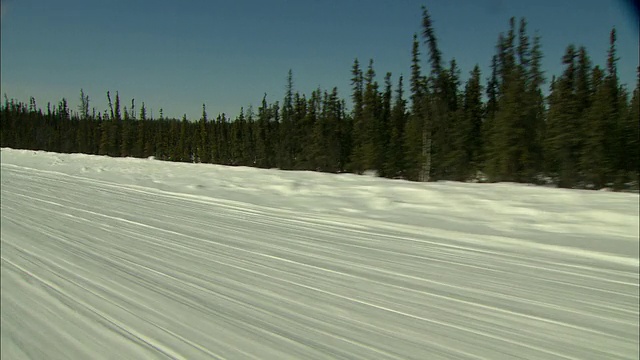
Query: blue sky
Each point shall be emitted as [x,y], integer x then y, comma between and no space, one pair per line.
[178,55]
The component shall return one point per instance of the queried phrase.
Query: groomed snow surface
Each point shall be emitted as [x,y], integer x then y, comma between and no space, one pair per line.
[108,258]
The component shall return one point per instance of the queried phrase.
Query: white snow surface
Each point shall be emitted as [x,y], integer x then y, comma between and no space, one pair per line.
[106,258]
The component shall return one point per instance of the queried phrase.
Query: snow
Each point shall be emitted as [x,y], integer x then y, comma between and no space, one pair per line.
[108,258]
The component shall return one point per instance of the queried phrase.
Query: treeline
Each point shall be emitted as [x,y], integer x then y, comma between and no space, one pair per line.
[584,134]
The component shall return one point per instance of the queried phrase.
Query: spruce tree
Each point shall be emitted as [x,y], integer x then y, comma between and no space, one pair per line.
[594,159]
[262,127]
[448,118]
[513,152]
[310,139]
[633,135]
[434,105]
[141,137]
[237,140]
[359,132]
[319,147]
[413,134]
[249,139]
[83,110]
[128,133]
[383,130]
[202,148]
[173,144]
[563,131]
[534,118]
[274,135]
[490,110]
[601,156]
[366,145]
[124,134]
[395,160]
[467,134]
[287,135]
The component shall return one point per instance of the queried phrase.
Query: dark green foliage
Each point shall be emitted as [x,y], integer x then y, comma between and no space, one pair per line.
[515,110]
[359,132]
[436,111]
[563,145]
[266,131]
[395,160]
[382,133]
[201,136]
[584,134]
[366,139]
[597,159]
[428,33]
[610,143]
[632,129]
[288,139]
[414,129]
[467,132]
[326,146]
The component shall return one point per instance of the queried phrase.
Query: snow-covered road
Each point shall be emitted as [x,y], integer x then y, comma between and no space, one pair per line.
[134,259]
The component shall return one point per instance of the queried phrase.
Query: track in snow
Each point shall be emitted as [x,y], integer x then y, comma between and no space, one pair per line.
[98,269]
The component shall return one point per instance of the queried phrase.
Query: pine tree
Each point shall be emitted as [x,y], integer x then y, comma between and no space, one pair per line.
[601,156]
[287,136]
[83,110]
[128,133]
[417,80]
[345,136]
[124,134]
[413,134]
[434,104]
[366,145]
[110,143]
[222,140]
[448,118]
[395,164]
[383,131]
[65,136]
[435,57]
[513,152]
[263,141]
[357,85]
[139,146]
[237,140]
[490,110]
[117,114]
[202,148]
[274,135]
[467,141]
[172,145]
[594,160]
[307,160]
[325,146]
[359,132]
[523,51]
[249,140]
[505,146]
[633,135]
[111,113]
[534,118]
[186,152]
[563,136]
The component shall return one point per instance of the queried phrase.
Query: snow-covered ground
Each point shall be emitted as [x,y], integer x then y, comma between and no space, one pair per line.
[132,259]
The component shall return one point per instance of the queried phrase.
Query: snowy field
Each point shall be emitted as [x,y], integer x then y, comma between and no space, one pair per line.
[139,259]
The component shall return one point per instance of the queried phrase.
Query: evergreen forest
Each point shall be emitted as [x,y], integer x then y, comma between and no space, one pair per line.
[577,129]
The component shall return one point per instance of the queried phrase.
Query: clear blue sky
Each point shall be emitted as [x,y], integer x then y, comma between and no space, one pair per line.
[177,55]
